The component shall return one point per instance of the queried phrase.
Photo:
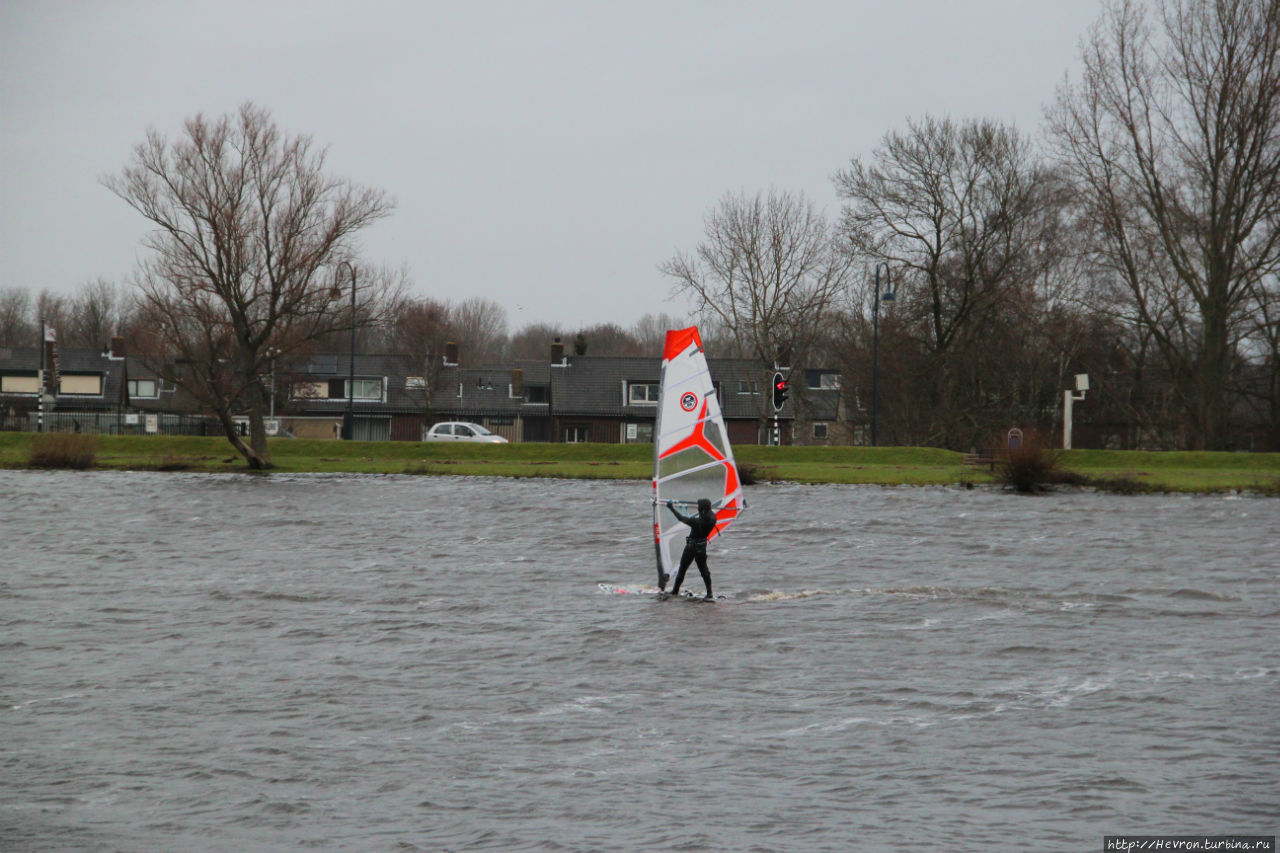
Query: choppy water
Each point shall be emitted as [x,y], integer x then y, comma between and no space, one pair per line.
[210,663]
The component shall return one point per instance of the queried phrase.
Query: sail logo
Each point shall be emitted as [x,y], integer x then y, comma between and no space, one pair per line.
[689,401]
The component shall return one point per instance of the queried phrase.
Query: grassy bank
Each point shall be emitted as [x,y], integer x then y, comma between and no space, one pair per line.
[1121,470]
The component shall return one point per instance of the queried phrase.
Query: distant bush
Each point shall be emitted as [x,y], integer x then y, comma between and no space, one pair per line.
[62,450]
[1032,467]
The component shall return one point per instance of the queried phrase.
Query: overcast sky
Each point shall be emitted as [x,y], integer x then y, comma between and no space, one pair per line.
[546,155]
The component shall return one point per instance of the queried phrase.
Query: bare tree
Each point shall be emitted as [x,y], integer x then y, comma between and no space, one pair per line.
[610,339]
[533,342]
[54,308]
[1262,355]
[968,221]
[252,254]
[16,328]
[375,316]
[95,314]
[650,331]
[479,327]
[955,209]
[1172,135]
[768,270]
[419,330]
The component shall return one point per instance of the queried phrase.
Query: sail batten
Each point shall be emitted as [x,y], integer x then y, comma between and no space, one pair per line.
[715,464]
[692,456]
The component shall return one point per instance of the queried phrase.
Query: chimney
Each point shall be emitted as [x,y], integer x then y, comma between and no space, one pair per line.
[451,354]
[117,347]
[517,382]
[557,351]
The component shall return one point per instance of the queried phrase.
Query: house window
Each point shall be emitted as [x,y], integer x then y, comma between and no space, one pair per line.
[829,382]
[745,387]
[639,433]
[415,383]
[819,430]
[310,390]
[643,392]
[536,394]
[10,384]
[363,389]
[144,388]
[84,385]
[576,434]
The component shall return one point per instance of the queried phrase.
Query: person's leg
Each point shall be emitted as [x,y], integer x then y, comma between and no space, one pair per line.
[705,572]
[685,559]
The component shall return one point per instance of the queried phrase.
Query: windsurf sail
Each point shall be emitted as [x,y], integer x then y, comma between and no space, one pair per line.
[692,458]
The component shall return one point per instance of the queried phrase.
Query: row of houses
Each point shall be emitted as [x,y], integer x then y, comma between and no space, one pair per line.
[565,398]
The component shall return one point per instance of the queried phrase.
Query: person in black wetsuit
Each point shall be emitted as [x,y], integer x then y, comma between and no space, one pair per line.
[695,549]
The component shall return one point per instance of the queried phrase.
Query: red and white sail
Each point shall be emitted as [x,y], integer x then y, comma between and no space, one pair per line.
[692,458]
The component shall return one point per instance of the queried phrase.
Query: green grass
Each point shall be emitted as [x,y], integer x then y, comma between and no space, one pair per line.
[1193,471]
[1121,470]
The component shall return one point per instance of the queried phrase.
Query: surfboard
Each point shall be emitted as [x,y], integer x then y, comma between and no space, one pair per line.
[686,595]
[628,589]
[692,457]
[639,589]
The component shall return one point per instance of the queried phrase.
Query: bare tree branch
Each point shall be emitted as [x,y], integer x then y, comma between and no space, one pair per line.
[248,257]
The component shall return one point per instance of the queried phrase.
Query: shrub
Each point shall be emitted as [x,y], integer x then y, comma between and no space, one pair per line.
[62,450]
[1031,467]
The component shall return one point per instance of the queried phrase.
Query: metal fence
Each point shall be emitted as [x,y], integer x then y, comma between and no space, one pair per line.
[113,423]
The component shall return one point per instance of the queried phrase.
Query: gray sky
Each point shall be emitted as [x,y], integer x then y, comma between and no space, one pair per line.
[546,155]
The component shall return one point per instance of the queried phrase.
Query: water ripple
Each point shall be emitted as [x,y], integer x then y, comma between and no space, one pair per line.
[300,662]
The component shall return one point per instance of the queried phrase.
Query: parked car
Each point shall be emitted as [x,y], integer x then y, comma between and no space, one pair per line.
[463,431]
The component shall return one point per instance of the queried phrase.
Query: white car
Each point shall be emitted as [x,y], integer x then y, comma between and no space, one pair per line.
[462,431]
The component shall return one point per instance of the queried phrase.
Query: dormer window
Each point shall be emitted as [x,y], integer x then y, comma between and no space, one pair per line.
[643,393]
[81,385]
[144,389]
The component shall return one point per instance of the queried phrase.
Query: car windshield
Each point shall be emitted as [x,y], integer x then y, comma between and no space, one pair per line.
[479,429]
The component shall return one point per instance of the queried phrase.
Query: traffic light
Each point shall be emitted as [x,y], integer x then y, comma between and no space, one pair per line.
[780,391]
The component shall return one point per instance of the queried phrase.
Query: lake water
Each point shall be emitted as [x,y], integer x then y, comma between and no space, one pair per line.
[367,663]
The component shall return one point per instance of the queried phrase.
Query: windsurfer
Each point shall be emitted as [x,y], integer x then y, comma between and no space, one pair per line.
[701,525]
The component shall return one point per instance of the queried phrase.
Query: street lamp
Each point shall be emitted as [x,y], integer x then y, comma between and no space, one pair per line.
[348,419]
[271,353]
[875,348]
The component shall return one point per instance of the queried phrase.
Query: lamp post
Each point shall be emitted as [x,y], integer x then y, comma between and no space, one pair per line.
[348,419]
[271,353]
[875,348]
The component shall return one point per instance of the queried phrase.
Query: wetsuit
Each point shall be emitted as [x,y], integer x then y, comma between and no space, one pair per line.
[701,525]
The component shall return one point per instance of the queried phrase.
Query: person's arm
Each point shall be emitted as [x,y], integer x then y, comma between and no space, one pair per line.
[671,505]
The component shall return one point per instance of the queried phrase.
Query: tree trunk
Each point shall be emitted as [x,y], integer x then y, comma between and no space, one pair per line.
[1212,405]
[254,461]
